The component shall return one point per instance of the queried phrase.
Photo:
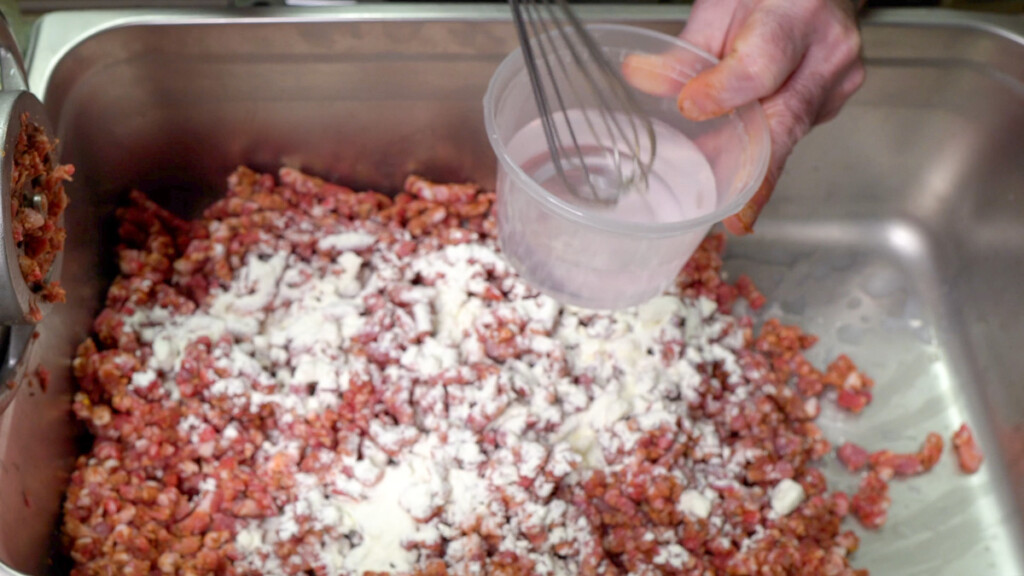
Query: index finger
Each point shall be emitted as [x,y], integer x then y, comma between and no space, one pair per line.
[664,74]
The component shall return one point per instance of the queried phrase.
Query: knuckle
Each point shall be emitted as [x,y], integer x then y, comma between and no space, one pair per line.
[765,60]
[789,120]
[857,76]
[849,84]
[815,10]
[828,115]
[757,74]
[831,109]
[811,13]
[806,95]
[780,31]
[848,48]
[837,33]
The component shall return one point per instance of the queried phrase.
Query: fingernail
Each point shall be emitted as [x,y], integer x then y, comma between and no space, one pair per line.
[735,226]
[696,109]
[646,73]
[748,215]
[742,222]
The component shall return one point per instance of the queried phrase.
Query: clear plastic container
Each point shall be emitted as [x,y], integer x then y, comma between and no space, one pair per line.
[604,258]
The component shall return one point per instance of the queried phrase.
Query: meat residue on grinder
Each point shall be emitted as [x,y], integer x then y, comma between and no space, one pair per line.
[37,202]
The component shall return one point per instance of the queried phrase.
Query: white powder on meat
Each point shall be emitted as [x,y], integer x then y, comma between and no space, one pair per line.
[346,241]
[786,496]
[672,555]
[695,504]
[298,335]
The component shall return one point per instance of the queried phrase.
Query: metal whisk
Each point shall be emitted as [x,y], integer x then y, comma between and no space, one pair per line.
[602,144]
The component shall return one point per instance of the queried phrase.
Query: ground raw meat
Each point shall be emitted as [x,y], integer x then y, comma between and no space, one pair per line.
[889,464]
[310,380]
[37,202]
[968,454]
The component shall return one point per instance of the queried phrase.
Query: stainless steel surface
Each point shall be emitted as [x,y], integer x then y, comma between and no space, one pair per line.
[897,232]
[569,72]
[28,487]
[12,66]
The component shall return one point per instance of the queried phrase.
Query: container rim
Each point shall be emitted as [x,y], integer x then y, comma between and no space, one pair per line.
[503,75]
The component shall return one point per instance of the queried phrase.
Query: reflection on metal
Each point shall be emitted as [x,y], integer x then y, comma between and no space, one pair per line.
[17,343]
[18,336]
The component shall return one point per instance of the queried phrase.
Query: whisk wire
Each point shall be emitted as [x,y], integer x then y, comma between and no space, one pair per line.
[549,30]
[550,127]
[581,63]
[619,86]
[604,68]
[535,82]
[580,94]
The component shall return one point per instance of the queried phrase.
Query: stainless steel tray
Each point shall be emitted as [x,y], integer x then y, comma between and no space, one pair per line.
[897,233]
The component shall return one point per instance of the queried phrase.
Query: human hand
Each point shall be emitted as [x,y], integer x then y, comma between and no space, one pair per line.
[800,58]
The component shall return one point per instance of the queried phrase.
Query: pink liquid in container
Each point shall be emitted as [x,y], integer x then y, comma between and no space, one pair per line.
[615,256]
